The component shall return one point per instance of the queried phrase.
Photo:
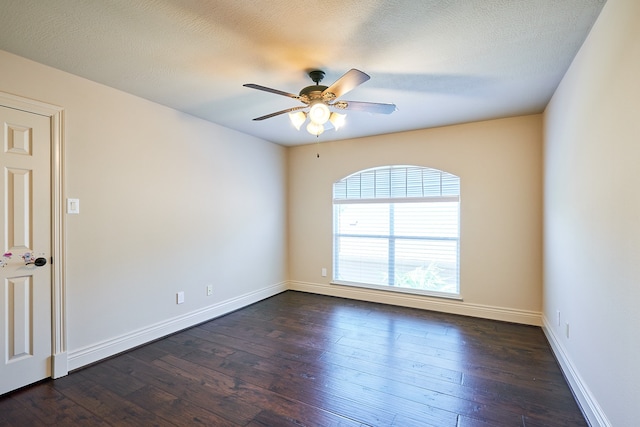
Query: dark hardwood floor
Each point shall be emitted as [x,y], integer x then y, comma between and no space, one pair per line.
[299,359]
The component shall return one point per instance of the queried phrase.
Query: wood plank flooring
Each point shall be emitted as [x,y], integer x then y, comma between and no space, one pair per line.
[299,359]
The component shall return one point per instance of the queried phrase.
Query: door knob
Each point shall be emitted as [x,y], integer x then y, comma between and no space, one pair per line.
[29,258]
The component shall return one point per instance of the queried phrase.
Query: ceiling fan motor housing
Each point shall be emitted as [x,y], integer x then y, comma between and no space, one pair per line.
[313,92]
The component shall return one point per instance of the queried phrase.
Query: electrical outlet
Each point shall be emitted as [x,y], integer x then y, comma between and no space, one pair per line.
[323,272]
[567,329]
[558,317]
[180,297]
[209,290]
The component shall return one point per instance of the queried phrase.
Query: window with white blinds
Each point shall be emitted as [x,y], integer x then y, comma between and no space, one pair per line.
[397,227]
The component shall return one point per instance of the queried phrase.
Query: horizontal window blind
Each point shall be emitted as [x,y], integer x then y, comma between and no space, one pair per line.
[398,227]
[397,182]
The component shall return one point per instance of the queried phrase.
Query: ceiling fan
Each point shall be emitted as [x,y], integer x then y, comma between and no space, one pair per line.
[319,101]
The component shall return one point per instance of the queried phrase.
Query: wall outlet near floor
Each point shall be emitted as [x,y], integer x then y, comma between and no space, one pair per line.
[180,297]
[323,272]
[567,329]
[558,317]
[209,290]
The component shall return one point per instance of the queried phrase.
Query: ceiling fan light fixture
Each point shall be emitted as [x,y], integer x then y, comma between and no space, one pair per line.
[319,113]
[298,118]
[315,128]
[337,120]
[318,98]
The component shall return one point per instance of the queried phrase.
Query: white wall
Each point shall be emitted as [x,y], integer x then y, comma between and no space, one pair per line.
[592,218]
[500,166]
[168,203]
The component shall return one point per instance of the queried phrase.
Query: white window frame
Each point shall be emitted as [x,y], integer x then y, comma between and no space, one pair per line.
[420,185]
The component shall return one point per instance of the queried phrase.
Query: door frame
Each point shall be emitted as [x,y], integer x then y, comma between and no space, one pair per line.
[59,364]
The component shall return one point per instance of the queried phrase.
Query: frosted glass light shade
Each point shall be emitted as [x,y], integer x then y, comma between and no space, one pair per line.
[319,113]
[297,118]
[337,120]
[315,128]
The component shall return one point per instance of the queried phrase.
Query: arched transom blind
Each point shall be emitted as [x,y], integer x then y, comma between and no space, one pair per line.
[397,182]
[398,227]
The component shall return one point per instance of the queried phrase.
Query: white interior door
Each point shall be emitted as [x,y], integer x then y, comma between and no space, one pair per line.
[25,287]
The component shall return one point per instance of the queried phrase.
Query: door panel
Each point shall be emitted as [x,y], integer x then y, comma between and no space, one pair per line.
[20,330]
[18,188]
[25,289]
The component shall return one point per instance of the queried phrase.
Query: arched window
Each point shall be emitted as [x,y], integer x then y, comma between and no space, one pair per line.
[398,228]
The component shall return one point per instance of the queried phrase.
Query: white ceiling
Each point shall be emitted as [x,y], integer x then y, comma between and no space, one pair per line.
[441,62]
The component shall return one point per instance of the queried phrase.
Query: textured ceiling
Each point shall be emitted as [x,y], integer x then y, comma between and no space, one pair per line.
[441,62]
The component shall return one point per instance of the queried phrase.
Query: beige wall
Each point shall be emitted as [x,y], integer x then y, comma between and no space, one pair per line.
[168,203]
[592,218]
[499,163]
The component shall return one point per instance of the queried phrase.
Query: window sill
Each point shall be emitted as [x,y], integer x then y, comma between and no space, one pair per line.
[396,289]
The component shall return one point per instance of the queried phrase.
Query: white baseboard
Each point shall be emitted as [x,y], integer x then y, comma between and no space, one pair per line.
[590,407]
[98,351]
[422,302]
[59,365]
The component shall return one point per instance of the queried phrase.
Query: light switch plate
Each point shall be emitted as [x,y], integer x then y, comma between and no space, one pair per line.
[73,206]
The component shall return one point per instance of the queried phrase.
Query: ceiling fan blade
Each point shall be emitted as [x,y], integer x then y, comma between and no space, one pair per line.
[347,82]
[369,107]
[268,89]
[277,113]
